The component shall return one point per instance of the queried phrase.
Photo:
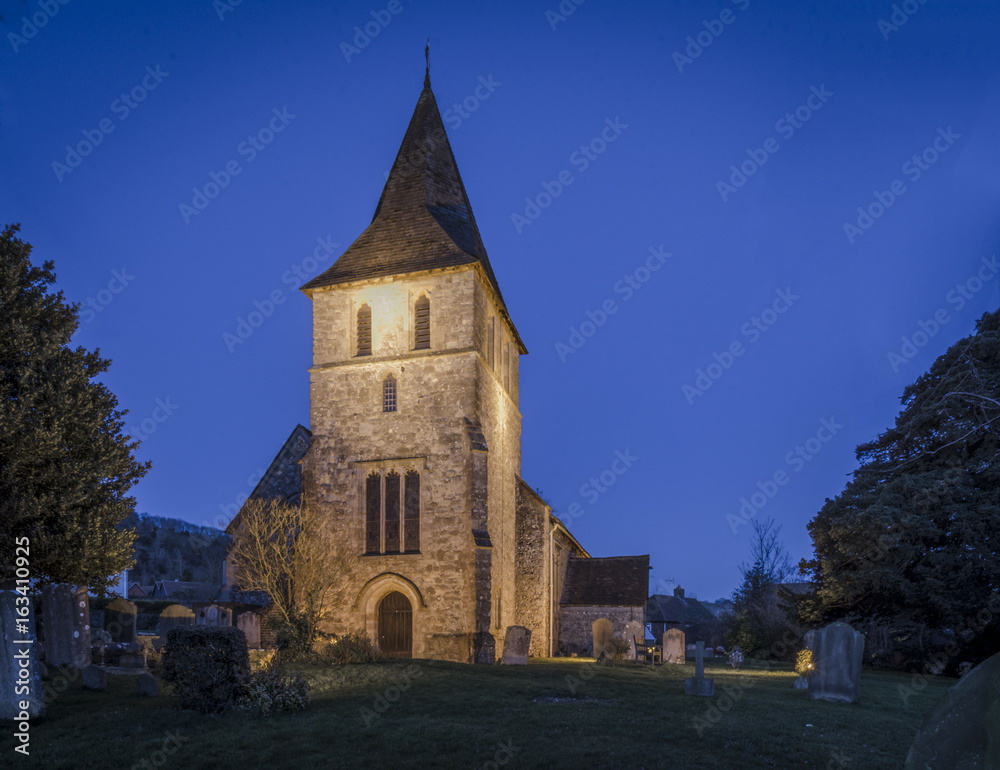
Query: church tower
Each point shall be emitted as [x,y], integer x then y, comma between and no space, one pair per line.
[416,432]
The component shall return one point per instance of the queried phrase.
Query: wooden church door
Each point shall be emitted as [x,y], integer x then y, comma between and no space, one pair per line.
[395,626]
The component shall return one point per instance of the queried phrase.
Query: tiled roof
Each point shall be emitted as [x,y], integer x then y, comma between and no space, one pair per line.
[616,581]
[423,220]
[675,609]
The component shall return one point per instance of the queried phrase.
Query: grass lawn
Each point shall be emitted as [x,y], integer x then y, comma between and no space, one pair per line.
[453,715]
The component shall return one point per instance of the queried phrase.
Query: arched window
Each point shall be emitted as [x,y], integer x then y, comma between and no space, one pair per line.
[422,325]
[411,513]
[364,330]
[389,394]
[373,513]
[392,512]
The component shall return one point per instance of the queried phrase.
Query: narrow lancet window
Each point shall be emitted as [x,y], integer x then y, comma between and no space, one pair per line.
[373,513]
[411,513]
[364,331]
[392,512]
[389,394]
[423,323]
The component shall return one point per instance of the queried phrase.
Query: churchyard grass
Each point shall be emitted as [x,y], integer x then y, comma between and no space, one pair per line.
[552,713]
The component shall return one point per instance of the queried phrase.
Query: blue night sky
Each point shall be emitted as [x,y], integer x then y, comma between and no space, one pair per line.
[769,343]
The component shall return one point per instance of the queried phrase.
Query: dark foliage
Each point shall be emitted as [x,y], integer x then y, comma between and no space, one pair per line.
[208,667]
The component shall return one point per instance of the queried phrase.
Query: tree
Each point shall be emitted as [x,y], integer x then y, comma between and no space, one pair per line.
[914,536]
[65,466]
[284,551]
[757,618]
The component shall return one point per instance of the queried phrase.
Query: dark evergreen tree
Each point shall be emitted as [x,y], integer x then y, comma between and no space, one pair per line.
[914,538]
[65,466]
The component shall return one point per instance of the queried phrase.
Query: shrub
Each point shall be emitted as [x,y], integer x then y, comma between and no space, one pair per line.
[208,667]
[353,648]
[616,650]
[261,659]
[804,663]
[268,691]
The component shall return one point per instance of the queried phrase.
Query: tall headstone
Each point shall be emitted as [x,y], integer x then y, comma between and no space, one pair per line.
[516,643]
[634,632]
[603,631]
[249,624]
[19,664]
[120,620]
[809,640]
[699,684]
[66,614]
[837,656]
[963,729]
[674,646]
[173,616]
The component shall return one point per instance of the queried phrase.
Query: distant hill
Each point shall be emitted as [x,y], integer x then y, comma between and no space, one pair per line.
[172,549]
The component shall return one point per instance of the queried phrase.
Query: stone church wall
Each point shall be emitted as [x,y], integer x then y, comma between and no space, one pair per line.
[533,600]
[576,626]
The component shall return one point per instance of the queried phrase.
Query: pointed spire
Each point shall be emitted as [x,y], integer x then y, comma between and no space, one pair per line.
[427,57]
[423,220]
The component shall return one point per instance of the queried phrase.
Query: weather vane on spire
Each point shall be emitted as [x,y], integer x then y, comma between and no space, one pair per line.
[427,57]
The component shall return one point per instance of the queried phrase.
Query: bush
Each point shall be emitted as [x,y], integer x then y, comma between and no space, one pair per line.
[208,667]
[804,663]
[261,659]
[268,691]
[616,650]
[353,648]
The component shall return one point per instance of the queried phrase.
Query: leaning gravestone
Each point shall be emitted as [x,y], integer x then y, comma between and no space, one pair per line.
[836,674]
[603,631]
[699,684]
[674,646]
[963,729]
[119,620]
[95,678]
[19,664]
[249,624]
[635,632]
[516,643]
[174,616]
[66,614]
[147,684]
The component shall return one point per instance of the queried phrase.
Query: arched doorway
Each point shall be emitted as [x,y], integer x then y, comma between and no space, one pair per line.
[395,626]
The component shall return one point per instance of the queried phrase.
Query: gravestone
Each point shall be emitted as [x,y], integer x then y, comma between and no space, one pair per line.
[836,673]
[95,678]
[963,729]
[699,684]
[603,631]
[516,642]
[119,620]
[249,624]
[634,632]
[174,616]
[147,684]
[674,646]
[809,640]
[19,664]
[66,615]
[214,616]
